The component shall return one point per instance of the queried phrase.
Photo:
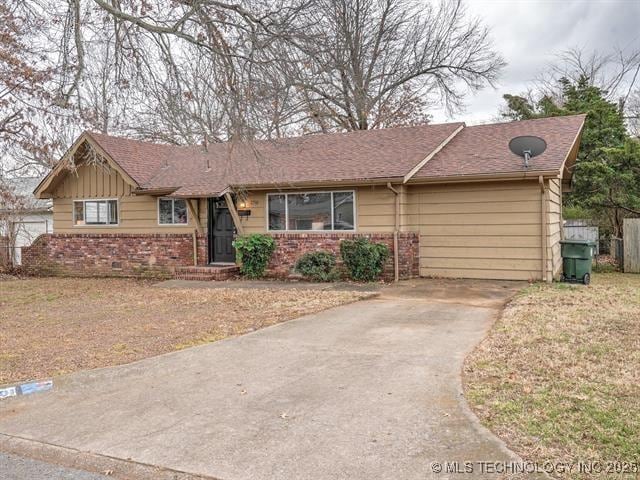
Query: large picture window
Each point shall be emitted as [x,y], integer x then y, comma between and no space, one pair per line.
[172,211]
[95,212]
[311,211]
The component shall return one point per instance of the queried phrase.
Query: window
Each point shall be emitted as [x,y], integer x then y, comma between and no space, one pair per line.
[95,212]
[311,211]
[277,212]
[172,211]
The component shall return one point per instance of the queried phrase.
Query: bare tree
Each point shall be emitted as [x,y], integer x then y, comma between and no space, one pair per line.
[231,39]
[633,113]
[187,72]
[375,63]
[24,73]
[12,206]
[616,73]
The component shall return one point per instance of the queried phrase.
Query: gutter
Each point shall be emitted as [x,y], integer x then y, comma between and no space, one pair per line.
[154,191]
[396,254]
[489,177]
[531,175]
[318,183]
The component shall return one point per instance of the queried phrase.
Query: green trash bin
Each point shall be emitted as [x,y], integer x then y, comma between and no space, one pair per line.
[577,258]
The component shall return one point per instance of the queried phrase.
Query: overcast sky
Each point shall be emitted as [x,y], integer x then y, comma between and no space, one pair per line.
[529,32]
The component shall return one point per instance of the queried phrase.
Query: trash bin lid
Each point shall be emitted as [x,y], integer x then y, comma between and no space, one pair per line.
[578,242]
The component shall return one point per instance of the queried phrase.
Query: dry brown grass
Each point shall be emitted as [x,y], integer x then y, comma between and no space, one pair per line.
[558,378]
[51,326]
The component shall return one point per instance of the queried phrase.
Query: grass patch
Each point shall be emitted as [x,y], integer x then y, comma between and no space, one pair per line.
[558,377]
[51,326]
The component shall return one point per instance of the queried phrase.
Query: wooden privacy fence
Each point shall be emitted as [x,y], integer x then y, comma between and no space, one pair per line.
[581,230]
[631,243]
[617,251]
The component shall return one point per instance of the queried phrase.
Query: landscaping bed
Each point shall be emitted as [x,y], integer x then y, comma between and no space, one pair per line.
[558,377]
[52,326]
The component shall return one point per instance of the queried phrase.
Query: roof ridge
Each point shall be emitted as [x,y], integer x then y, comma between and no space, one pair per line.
[507,122]
[280,139]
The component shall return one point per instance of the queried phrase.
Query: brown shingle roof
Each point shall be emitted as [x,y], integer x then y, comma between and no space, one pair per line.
[484,149]
[354,156]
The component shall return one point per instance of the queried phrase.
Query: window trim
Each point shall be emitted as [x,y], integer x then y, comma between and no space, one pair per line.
[173,203]
[304,192]
[93,225]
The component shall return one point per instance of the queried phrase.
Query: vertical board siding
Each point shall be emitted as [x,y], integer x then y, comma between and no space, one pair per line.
[631,245]
[138,213]
[477,230]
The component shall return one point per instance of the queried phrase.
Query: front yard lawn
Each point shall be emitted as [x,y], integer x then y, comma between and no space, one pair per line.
[51,326]
[558,377]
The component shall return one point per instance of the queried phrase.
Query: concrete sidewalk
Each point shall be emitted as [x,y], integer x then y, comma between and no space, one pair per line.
[363,391]
[273,285]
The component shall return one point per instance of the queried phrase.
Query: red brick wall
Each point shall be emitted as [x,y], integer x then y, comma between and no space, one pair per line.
[157,255]
[141,255]
[291,246]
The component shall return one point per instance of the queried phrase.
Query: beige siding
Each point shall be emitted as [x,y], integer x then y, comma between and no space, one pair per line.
[474,230]
[138,213]
[554,228]
[374,209]
[478,230]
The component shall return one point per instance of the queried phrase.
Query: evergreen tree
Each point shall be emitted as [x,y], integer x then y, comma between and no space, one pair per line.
[607,175]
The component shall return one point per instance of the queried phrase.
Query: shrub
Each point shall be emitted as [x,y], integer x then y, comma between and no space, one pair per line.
[318,266]
[253,253]
[364,259]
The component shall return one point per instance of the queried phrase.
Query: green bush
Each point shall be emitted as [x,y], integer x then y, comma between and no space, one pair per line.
[363,259]
[318,266]
[576,212]
[253,253]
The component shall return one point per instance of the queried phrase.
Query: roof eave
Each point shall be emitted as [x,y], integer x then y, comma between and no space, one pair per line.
[154,191]
[57,169]
[572,155]
[531,174]
[318,183]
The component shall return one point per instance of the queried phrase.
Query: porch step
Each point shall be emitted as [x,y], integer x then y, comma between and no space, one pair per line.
[207,273]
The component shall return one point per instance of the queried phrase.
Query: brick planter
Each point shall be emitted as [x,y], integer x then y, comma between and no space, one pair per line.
[123,255]
[291,246]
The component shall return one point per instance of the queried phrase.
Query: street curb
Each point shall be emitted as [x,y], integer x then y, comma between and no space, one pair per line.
[116,468]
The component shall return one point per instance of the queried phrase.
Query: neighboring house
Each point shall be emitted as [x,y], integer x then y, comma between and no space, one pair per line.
[23,220]
[450,200]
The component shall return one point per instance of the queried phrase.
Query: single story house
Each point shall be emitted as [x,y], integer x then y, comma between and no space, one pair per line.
[450,200]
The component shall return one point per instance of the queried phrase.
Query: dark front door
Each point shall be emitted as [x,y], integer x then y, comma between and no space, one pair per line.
[221,230]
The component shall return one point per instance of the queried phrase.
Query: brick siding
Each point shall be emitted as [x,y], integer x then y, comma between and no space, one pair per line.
[158,255]
[291,246]
[126,255]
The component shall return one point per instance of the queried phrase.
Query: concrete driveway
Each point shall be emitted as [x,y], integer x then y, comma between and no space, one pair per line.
[363,391]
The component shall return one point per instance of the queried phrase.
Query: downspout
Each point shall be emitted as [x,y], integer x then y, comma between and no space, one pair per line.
[195,247]
[396,255]
[543,227]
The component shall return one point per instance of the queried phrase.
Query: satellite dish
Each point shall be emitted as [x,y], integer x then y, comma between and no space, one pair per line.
[527,147]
